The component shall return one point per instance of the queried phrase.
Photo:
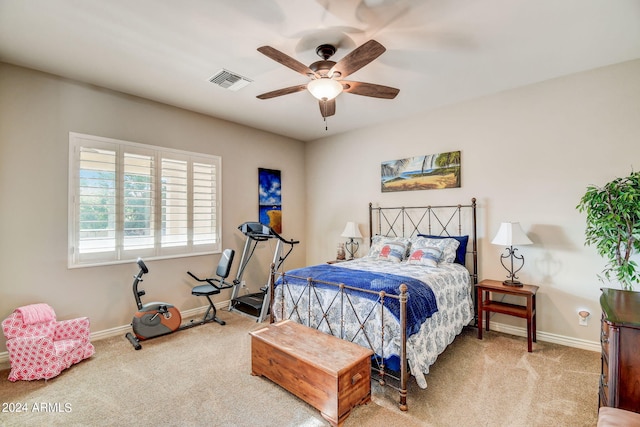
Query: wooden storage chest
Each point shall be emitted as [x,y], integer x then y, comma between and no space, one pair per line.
[330,374]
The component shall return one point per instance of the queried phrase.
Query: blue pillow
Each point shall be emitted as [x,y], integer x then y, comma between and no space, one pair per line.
[461,252]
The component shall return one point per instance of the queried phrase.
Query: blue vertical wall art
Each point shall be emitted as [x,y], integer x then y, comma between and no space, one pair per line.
[270,198]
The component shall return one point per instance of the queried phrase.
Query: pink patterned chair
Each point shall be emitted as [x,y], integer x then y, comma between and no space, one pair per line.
[41,347]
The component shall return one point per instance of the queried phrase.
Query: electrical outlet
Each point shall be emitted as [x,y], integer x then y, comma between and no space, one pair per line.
[583,317]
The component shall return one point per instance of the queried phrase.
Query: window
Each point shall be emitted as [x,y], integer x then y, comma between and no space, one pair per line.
[129,200]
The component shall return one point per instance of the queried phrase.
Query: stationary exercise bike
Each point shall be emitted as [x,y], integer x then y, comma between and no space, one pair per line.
[152,319]
[155,319]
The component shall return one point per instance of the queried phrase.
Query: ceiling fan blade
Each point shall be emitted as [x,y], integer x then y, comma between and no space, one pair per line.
[328,108]
[283,91]
[358,58]
[287,61]
[370,89]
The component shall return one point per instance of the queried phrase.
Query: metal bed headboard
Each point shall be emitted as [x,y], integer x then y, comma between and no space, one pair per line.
[440,220]
[403,221]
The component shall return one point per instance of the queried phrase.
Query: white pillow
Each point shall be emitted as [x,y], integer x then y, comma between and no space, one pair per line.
[393,249]
[447,246]
[429,256]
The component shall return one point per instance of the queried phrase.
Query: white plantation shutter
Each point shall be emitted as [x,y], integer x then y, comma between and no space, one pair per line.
[129,200]
[204,203]
[138,202]
[96,200]
[175,203]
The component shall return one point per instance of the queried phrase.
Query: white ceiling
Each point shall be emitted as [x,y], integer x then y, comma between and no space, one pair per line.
[439,52]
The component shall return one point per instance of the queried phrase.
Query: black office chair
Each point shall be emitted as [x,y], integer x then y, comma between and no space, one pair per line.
[214,285]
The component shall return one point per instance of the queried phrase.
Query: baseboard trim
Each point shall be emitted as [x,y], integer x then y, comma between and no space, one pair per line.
[548,337]
[498,327]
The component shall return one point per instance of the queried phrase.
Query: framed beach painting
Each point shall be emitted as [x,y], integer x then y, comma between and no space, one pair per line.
[428,172]
[270,198]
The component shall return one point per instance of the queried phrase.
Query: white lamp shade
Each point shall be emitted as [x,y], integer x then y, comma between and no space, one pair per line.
[351,231]
[324,88]
[511,234]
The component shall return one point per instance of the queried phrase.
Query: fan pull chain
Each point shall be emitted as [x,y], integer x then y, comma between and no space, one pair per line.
[326,127]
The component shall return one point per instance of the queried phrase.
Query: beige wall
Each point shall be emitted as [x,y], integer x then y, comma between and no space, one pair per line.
[37,112]
[528,155]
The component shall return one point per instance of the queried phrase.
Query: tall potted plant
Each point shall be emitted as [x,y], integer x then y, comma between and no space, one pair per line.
[613,226]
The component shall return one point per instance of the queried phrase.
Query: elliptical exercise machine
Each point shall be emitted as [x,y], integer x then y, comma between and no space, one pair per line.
[257,304]
[155,319]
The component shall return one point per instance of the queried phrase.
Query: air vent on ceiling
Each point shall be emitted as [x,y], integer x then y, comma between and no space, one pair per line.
[229,80]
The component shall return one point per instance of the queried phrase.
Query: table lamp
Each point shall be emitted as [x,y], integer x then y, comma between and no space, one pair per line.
[511,234]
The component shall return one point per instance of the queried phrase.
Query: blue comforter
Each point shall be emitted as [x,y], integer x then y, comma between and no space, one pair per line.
[421,303]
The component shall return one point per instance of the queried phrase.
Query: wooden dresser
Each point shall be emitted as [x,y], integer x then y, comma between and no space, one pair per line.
[620,339]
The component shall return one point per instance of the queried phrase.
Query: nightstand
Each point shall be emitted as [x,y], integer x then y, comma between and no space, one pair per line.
[528,311]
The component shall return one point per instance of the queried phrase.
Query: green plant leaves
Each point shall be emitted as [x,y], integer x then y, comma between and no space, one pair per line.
[613,226]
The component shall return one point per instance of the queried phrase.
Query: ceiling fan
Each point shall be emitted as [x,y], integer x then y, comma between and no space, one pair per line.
[326,75]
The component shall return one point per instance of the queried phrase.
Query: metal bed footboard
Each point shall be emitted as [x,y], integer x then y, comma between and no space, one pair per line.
[337,316]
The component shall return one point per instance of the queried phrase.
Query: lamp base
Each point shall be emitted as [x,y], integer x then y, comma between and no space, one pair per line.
[514,283]
[352,247]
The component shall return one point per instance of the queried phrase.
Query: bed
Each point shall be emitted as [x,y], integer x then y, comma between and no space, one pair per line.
[406,299]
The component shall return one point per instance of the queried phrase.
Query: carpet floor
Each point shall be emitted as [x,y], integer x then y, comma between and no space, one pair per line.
[201,376]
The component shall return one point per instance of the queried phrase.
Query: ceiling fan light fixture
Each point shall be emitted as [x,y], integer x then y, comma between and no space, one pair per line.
[324,88]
